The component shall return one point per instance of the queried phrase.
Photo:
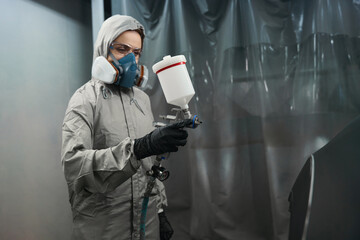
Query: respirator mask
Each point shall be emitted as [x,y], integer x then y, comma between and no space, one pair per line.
[123,72]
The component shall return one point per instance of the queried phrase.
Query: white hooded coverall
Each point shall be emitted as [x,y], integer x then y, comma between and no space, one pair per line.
[106,182]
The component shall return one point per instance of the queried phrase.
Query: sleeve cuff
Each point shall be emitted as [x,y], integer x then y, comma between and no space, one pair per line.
[133,160]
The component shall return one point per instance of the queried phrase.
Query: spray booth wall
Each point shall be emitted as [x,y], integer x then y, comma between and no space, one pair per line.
[46,54]
[274,82]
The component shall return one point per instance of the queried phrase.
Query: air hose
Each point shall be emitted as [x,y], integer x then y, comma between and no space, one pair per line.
[156,172]
[143,217]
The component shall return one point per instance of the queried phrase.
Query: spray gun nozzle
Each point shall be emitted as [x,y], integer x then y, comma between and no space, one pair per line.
[195,121]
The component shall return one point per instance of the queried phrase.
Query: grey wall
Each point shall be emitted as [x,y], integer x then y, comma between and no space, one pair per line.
[45,55]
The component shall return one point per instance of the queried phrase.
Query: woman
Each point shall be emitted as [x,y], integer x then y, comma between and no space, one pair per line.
[108,141]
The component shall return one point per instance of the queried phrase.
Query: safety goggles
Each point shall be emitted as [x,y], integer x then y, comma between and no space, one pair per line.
[124,49]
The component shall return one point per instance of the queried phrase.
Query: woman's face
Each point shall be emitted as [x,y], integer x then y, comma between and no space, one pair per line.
[129,41]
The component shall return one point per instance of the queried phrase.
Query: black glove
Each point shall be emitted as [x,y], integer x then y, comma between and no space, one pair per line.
[166,230]
[162,140]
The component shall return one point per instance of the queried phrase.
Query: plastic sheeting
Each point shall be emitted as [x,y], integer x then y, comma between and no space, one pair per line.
[274,82]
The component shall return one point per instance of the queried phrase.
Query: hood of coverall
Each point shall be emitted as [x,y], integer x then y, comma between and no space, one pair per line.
[110,30]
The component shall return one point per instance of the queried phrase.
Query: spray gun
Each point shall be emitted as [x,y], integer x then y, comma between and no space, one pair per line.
[181,114]
[178,90]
